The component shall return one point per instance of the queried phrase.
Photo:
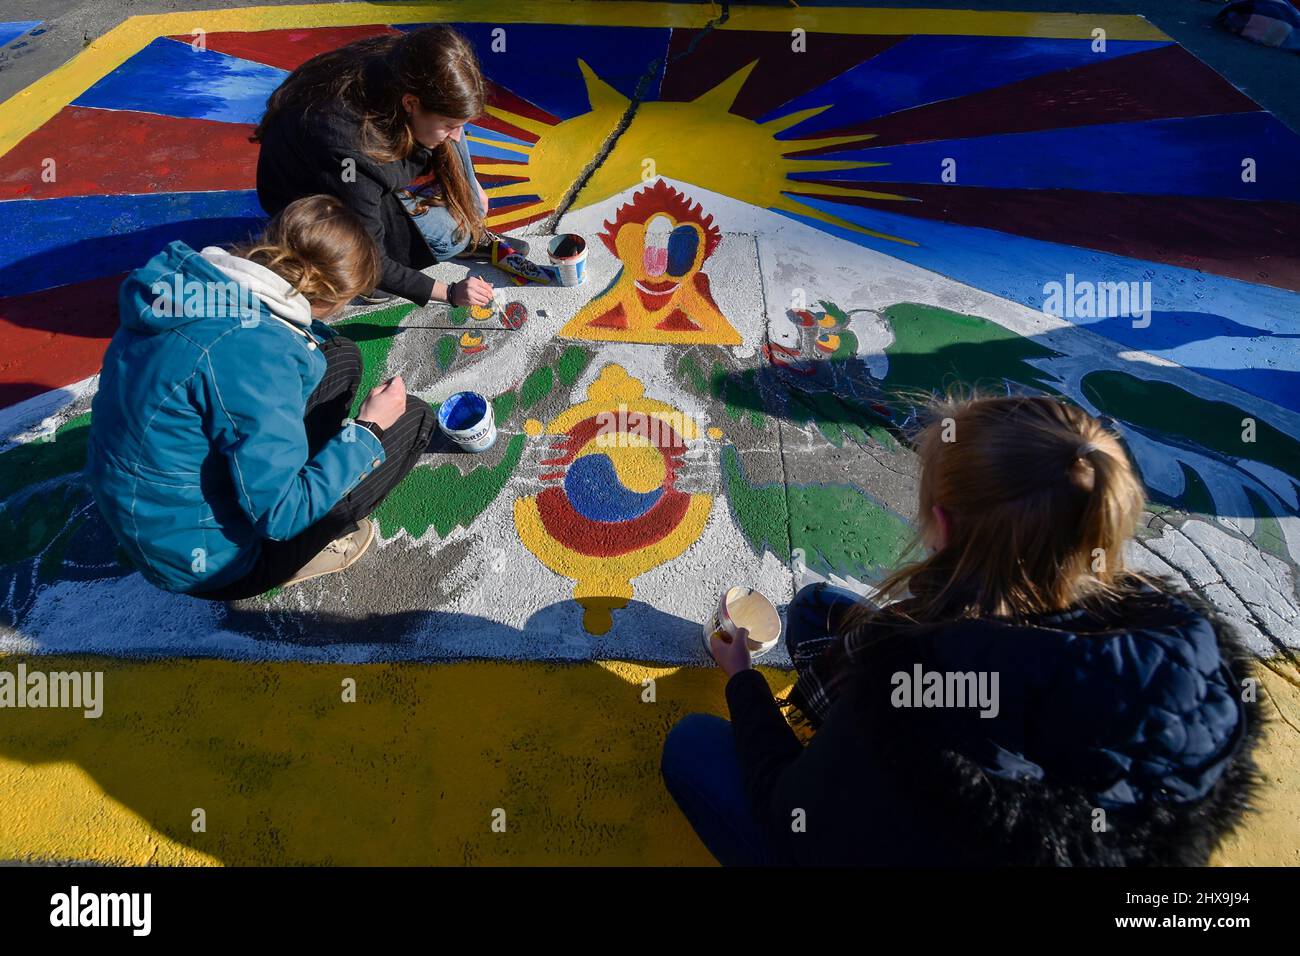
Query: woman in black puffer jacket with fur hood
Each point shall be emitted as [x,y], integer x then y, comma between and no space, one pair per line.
[1027,701]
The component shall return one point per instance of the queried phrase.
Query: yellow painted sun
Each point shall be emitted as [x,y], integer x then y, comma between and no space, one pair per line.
[700,142]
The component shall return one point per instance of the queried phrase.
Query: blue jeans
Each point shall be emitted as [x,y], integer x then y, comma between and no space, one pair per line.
[699,763]
[436,224]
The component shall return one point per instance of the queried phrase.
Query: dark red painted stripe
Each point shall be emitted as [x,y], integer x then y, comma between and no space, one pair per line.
[55,337]
[781,73]
[1254,241]
[114,152]
[488,180]
[607,539]
[488,121]
[286,49]
[502,98]
[1156,84]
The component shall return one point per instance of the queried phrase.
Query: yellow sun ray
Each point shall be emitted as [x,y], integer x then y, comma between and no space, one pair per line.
[701,142]
[792,204]
[826,189]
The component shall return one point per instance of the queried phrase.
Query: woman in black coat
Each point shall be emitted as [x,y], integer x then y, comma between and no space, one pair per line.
[1028,701]
[380,123]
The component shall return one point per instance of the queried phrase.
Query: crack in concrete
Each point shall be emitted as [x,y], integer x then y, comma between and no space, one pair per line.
[776,422]
[1254,617]
[657,66]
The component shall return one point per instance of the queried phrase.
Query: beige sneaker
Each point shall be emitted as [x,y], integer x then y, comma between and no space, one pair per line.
[338,554]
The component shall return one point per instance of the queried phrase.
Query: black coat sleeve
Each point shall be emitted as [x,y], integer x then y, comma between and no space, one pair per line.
[365,196]
[765,744]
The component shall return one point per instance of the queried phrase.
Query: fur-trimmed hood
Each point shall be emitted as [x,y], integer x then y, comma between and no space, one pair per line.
[1121,739]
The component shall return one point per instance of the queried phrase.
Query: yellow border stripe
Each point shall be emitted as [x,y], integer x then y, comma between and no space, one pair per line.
[31,108]
[888,21]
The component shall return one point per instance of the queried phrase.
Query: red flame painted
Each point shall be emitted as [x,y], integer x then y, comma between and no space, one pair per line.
[662,198]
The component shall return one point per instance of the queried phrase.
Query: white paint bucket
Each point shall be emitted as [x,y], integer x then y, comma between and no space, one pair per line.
[744,607]
[466,418]
[568,252]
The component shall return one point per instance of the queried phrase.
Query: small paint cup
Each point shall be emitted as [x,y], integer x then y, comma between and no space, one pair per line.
[744,607]
[568,252]
[466,418]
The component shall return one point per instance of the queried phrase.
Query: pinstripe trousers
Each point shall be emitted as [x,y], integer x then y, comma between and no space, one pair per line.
[328,405]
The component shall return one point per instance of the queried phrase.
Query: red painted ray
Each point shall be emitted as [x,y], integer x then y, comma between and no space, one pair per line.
[488,180]
[781,74]
[502,98]
[492,160]
[287,49]
[1164,83]
[1254,241]
[55,337]
[488,121]
[113,152]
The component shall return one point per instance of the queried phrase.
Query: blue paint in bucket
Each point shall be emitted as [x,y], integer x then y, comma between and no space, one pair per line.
[466,418]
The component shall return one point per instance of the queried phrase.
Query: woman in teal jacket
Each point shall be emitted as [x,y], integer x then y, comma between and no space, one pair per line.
[220,453]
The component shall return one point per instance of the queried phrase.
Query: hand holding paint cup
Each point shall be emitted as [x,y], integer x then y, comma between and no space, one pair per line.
[731,654]
[385,403]
[746,625]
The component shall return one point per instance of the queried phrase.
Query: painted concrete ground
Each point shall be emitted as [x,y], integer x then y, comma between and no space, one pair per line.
[791,236]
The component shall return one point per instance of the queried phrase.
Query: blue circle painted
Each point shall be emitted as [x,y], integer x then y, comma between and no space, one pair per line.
[592,487]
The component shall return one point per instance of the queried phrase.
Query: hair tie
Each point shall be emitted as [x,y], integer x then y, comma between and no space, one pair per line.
[1087,449]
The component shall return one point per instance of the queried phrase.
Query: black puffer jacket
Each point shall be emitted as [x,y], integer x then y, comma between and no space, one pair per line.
[306,153]
[1119,741]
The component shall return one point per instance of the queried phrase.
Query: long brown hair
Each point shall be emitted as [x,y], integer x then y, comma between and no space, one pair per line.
[1040,499]
[369,77]
[320,247]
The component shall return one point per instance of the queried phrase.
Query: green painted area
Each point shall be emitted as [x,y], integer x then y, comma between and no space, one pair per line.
[443,498]
[573,360]
[26,532]
[502,406]
[847,349]
[1196,497]
[689,369]
[1268,530]
[1173,411]
[837,527]
[373,332]
[536,386]
[739,393]
[760,510]
[934,349]
[52,559]
[458,314]
[838,418]
[444,352]
[43,459]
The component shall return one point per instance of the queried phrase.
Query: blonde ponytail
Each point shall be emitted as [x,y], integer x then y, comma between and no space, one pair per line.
[1040,501]
[321,248]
